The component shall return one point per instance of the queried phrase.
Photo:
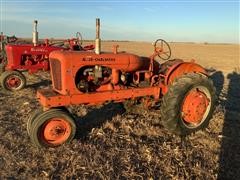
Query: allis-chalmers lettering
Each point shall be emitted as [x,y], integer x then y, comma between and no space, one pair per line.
[98,59]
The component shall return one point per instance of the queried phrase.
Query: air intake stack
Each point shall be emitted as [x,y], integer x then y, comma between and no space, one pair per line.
[98,40]
[35,33]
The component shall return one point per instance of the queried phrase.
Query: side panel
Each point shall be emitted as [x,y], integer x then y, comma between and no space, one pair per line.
[63,72]
[49,98]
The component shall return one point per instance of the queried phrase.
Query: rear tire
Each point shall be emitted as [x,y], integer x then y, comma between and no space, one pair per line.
[189,104]
[13,80]
[52,128]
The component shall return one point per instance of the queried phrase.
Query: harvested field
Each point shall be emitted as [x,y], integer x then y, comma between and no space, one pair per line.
[114,144]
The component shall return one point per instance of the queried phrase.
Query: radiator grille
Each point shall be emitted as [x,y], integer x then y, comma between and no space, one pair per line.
[56,73]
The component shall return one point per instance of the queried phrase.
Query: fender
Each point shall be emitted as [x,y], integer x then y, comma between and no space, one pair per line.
[181,68]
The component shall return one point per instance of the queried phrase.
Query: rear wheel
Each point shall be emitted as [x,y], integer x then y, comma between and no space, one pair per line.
[13,80]
[52,128]
[189,104]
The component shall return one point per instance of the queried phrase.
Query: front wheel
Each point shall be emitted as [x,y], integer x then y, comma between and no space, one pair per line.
[52,128]
[189,104]
[32,117]
[13,80]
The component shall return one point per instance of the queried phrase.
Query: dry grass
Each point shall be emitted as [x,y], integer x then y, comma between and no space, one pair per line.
[113,144]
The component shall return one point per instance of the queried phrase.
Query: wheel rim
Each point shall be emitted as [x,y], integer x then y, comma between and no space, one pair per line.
[13,82]
[196,106]
[56,131]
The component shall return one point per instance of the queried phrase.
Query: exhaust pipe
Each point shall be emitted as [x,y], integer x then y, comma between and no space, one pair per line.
[35,33]
[98,40]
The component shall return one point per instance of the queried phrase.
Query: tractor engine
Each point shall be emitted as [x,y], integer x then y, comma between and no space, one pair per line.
[29,59]
[89,78]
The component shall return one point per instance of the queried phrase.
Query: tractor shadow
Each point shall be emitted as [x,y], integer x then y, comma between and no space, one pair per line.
[38,80]
[96,118]
[41,83]
[218,82]
[229,160]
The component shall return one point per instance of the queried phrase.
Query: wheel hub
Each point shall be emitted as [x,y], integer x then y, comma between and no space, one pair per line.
[194,106]
[56,131]
[13,82]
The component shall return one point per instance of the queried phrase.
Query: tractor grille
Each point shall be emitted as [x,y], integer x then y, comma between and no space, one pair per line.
[56,73]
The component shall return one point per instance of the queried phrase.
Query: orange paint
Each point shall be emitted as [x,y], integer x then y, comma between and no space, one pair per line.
[49,98]
[179,69]
[194,106]
[56,131]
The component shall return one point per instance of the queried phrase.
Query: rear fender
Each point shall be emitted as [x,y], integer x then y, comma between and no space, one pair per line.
[179,69]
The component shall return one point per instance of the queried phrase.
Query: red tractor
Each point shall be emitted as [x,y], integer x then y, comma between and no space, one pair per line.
[32,58]
[185,93]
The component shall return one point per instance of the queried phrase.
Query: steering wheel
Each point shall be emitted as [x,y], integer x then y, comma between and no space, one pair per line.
[162,48]
[79,38]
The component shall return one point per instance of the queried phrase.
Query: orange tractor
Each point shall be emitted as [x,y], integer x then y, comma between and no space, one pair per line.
[185,93]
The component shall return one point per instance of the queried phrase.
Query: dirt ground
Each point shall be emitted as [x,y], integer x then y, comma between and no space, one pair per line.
[114,144]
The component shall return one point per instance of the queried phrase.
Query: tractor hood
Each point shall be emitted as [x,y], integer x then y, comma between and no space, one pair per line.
[122,61]
[64,66]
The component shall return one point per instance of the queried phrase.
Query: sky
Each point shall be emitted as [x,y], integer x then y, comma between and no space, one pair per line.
[213,21]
